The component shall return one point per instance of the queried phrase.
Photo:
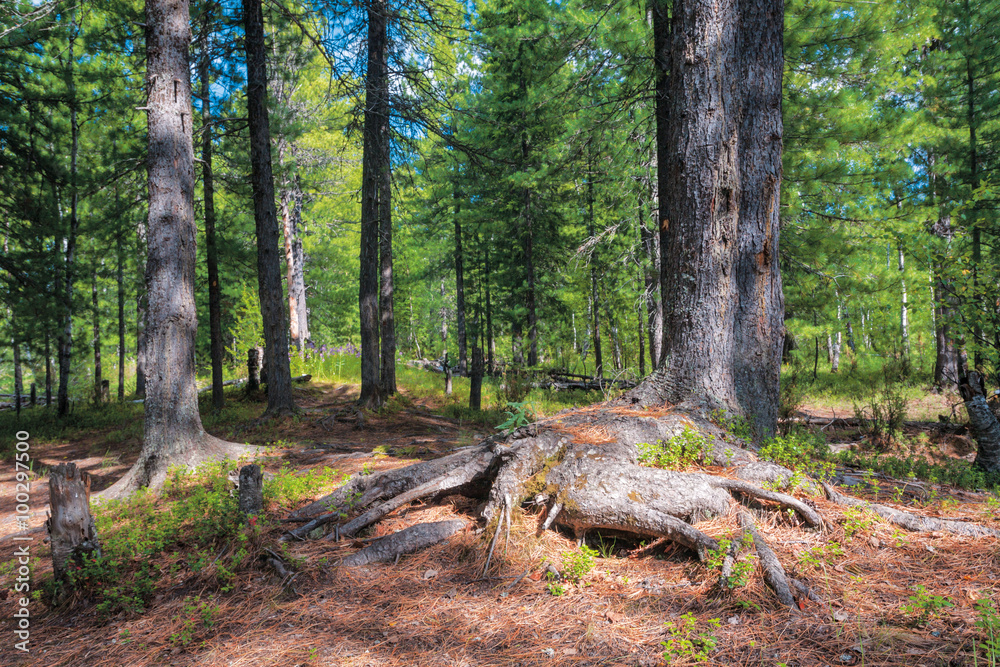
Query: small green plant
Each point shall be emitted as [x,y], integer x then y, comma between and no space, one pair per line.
[197,614]
[736,425]
[687,642]
[517,416]
[801,451]
[924,606]
[881,410]
[578,564]
[555,588]
[742,568]
[989,623]
[857,520]
[606,547]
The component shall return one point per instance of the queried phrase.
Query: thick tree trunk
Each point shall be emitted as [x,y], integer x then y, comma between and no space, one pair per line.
[279,377]
[96,313]
[719,180]
[208,187]
[173,434]
[368,289]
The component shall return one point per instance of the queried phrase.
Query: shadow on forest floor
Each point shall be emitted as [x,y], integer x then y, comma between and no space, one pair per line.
[633,601]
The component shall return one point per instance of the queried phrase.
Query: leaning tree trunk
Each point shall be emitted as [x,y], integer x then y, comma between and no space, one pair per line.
[982,421]
[279,376]
[173,434]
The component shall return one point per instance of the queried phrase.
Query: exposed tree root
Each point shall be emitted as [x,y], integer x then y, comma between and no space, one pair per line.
[774,573]
[913,522]
[583,465]
[150,471]
[405,541]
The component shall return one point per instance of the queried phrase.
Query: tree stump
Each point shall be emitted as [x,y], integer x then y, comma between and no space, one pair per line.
[251,490]
[71,527]
[34,395]
[447,376]
[476,388]
[105,391]
[253,369]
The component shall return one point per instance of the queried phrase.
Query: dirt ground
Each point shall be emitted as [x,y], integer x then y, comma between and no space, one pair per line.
[438,607]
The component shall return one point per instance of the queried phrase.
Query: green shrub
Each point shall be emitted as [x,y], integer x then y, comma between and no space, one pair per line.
[687,642]
[680,451]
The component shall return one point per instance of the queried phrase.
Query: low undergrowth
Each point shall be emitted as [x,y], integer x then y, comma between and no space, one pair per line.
[192,529]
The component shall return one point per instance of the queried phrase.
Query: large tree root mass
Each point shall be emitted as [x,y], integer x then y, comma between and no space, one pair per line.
[584,468]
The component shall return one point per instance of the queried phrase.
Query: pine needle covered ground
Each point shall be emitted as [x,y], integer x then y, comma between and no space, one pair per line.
[187,582]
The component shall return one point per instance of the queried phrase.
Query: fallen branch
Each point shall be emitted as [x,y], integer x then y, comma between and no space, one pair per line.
[405,541]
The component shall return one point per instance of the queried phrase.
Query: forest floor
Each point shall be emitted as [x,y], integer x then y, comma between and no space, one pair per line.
[889,597]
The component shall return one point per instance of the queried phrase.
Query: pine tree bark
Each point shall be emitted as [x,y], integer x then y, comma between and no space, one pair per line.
[369,284]
[208,188]
[173,433]
[141,300]
[279,376]
[719,164]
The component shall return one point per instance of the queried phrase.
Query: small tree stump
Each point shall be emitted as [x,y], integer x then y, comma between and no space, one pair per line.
[447,376]
[105,391]
[476,388]
[251,490]
[253,369]
[34,395]
[71,527]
